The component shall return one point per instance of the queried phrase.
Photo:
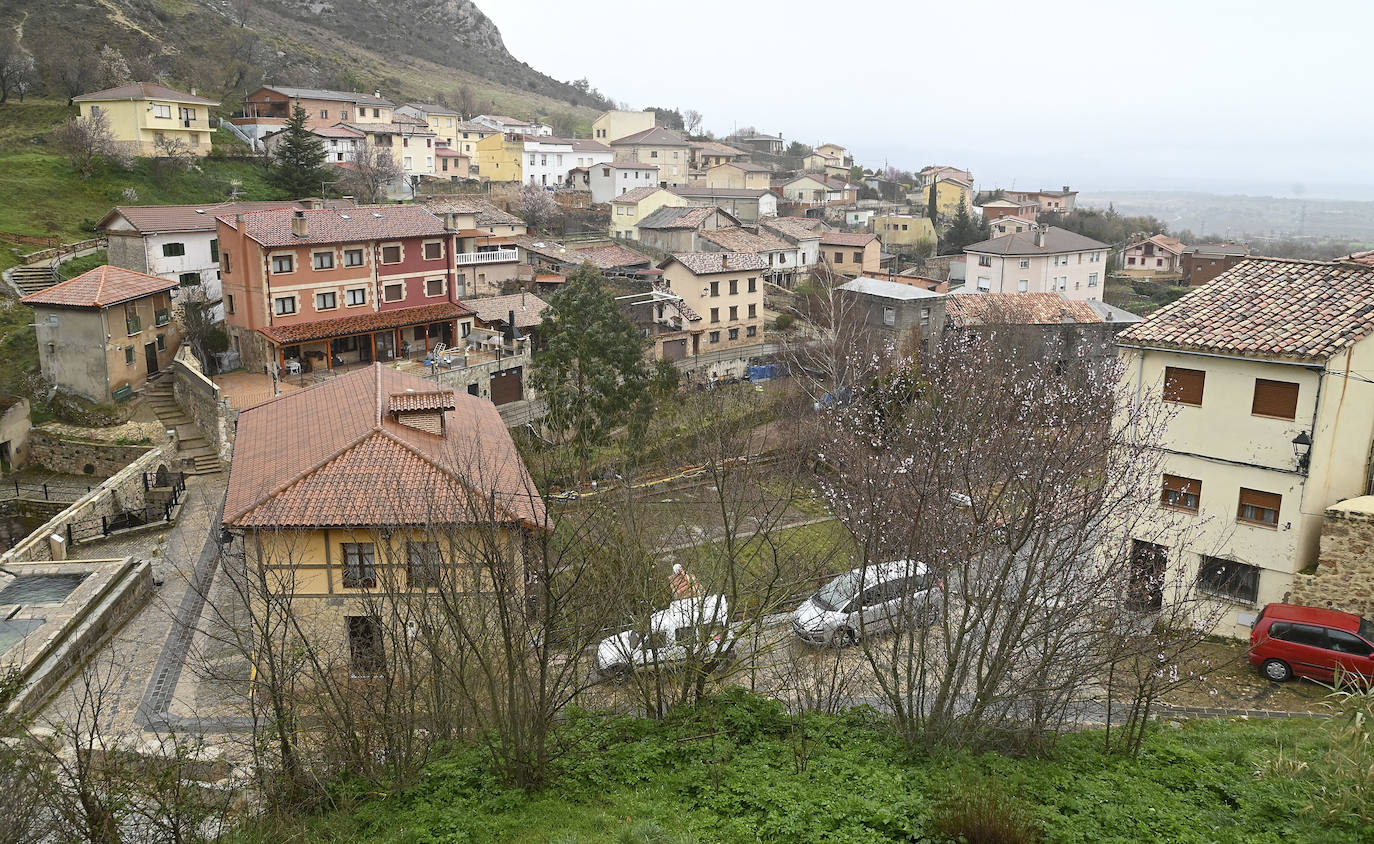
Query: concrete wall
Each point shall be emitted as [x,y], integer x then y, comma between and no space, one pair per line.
[462,378]
[1344,579]
[126,250]
[73,457]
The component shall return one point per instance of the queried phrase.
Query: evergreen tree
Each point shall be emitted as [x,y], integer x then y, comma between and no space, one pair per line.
[963,230]
[592,373]
[298,162]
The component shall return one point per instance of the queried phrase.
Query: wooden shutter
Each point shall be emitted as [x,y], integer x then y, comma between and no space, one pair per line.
[1183,385]
[1275,398]
[1180,492]
[1259,507]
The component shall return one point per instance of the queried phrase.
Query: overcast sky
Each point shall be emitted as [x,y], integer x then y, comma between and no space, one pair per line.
[1258,96]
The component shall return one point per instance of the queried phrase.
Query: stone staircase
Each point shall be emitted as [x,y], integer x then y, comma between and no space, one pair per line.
[31,278]
[191,443]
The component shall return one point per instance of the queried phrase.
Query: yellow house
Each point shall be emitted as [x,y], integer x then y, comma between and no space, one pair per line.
[370,490]
[499,157]
[739,175]
[725,289]
[142,113]
[614,125]
[634,205]
[443,121]
[903,232]
[950,195]
[1264,375]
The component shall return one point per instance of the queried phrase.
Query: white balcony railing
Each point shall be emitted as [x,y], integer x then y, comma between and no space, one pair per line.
[497,256]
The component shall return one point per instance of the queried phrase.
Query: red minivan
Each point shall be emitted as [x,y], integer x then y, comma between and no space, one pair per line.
[1311,642]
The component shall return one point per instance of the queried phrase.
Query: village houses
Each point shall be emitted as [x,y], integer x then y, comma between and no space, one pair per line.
[614,125]
[664,147]
[151,119]
[610,179]
[726,290]
[1156,255]
[1042,260]
[628,208]
[267,109]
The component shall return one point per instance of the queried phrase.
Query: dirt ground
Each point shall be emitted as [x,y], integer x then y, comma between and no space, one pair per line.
[1217,674]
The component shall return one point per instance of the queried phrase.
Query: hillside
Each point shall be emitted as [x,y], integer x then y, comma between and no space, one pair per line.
[1248,217]
[444,50]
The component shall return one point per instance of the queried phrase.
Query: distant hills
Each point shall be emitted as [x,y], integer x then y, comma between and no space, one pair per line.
[1249,217]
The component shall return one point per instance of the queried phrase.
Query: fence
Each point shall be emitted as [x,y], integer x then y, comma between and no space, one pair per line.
[68,249]
[43,492]
[31,240]
[98,527]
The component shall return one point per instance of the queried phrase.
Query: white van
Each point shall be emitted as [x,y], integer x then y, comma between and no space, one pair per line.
[697,628]
[866,601]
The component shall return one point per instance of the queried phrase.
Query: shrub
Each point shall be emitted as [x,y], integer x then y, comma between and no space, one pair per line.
[75,410]
[982,813]
[784,322]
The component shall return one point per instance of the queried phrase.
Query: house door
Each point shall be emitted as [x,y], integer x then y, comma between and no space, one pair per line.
[5,457]
[150,355]
[507,386]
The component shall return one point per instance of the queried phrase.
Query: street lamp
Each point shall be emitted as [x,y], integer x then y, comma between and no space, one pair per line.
[1302,448]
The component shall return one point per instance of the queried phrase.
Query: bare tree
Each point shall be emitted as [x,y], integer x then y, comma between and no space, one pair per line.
[465,101]
[112,69]
[17,72]
[171,156]
[691,121]
[243,11]
[372,170]
[537,207]
[88,141]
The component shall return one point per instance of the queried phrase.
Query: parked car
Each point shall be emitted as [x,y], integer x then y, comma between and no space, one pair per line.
[690,628]
[868,600]
[1311,642]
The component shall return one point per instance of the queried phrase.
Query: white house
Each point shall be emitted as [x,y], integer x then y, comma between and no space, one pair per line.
[547,160]
[512,125]
[1039,260]
[609,179]
[341,143]
[803,232]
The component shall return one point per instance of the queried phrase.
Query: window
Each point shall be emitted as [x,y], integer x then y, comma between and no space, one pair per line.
[391,254]
[734,334]
[925,316]
[1183,386]
[1022,286]
[360,570]
[356,296]
[984,283]
[283,263]
[434,287]
[365,650]
[751,331]
[353,257]
[715,288]
[376,112]
[434,251]
[284,305]
[1025,263]
[753,311]
[889,316]
[1259,508]
[984,260]
[858,257]
[161,110]
[393,292]
[715,315]
[1278,399]
[323,260]
[734,286]
[326,301]
[214,249]
[1148,562]
[734,313]
[224,261]
[173,250]
[1346,643]
[461,286]
[754,282]
[839,257]
[1092,279]
[162,342]
[1181,493]
[422,564]
[229,304]
[128,355]
[1229,579]
[189,279]
[714,337]
[1130,260]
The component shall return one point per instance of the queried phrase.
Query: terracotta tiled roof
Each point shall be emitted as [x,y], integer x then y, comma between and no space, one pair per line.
[702,192]
[551,249]
[432,400]
[1023,243]
[846,239]
[144,91]
[706,263]
[529,309]
[1163,241]
[656,137]
[99,288]
[1268,308]
[715,148]
[1017,309]
[326,94]
[446,152]
[323,329]
[794,228]
[431,108]
[487,213]
[611,257]
[735,239]
[587,145]
[150,219]
[675,217]
[332,455]
[326,225]
[627,165]
[635,195]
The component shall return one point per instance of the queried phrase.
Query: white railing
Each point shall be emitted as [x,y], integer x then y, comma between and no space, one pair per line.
[492,257]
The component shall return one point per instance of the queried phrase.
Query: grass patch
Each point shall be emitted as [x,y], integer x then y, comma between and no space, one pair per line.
[1195,783]
[1142,297]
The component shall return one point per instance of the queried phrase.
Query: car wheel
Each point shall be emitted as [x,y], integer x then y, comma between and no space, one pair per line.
[1277,670]
[843,637]
[615,674]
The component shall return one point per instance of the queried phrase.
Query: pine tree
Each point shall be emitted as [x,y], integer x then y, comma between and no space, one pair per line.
[963,230]
[298,161]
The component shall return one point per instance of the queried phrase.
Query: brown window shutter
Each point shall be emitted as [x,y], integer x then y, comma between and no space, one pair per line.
[1181,493]
[1275,398]
[1259,507]
[1183,385]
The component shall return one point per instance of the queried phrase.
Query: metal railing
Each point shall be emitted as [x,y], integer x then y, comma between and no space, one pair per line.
[65,493]
[495,256]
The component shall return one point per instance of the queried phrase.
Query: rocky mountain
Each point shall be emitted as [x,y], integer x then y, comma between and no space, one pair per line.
[410,49]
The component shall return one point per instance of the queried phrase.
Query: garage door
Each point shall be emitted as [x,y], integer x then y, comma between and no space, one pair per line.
[507,386]
[675,349]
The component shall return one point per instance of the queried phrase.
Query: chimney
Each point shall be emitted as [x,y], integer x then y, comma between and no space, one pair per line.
[193,90]
[510,327]
[1066,188]
[451,221]
[1039,236]
[239,219]
[377,92]
[300,227]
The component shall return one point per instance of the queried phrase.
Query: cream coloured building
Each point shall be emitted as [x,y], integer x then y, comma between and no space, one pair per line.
[614,125]
[635,205]
[1268,372]
[1039,260]
[143,113]
[669,150]
[726,290]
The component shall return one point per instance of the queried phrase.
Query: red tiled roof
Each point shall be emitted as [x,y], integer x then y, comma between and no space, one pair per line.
[611,257]
[705,263]
[99,288]
[846,239]
[735,239]
[332,455]
[144,91]
[635,195]
[412,401]
[305,332]
[1268,308]
[529,309]
[656,137]
[1017,309]
[191,218]
[326,225]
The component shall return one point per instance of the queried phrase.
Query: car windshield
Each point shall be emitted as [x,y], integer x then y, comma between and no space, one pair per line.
[1366,630]
[635,638]
[837,592]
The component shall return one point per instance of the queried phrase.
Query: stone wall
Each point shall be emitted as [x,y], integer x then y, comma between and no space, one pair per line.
[1344,579]
[73,457]
[200,398]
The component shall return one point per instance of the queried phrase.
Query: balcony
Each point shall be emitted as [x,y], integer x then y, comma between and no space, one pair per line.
[162,317]
[495,256]
[134,324]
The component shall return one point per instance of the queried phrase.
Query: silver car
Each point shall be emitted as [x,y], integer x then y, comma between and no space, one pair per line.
[689,629]
[868,600]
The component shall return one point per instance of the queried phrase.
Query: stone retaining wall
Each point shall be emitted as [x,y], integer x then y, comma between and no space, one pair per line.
[1344,579]
[72,457]
[201,399]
